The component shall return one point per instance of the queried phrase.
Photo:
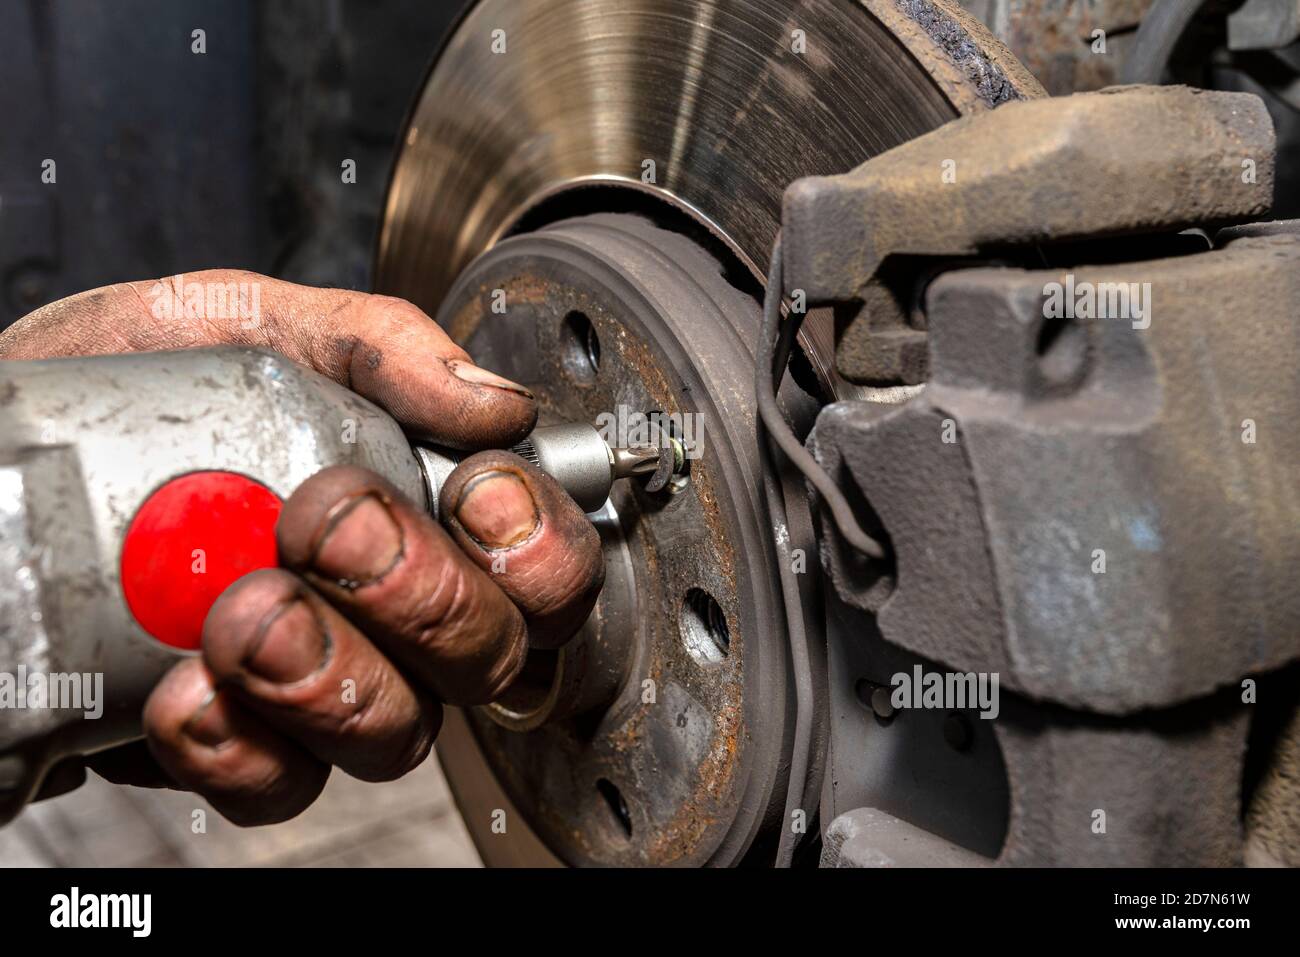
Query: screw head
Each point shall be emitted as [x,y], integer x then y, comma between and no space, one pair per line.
[880,703]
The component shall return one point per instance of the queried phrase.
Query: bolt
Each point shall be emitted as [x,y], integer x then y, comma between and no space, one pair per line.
[637,460]
[880,703]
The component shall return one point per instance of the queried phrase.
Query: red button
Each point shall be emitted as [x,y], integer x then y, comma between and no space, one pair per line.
[188,542]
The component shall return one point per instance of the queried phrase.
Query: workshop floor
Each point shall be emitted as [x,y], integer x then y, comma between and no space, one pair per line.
[408,823]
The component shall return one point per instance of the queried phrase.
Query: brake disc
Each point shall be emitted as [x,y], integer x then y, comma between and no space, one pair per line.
[689,117]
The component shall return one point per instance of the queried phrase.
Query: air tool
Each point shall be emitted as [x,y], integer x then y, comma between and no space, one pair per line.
[135,488]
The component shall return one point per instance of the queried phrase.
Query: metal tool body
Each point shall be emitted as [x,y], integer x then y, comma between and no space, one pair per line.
[87,441]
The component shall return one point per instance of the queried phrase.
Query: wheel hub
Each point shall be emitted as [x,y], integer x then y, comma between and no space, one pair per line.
[670,726]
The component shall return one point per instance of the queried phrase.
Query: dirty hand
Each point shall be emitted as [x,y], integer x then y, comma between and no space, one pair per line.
[373,596]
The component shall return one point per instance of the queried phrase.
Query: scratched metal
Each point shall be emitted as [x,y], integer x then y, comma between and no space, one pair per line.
[587,92]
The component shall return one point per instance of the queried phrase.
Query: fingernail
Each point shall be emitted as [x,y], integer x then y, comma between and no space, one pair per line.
[469,372]
[290,644]
[361,542]
[208,725]
[497,509]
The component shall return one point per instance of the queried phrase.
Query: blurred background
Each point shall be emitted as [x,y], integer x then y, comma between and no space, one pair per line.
[168,161]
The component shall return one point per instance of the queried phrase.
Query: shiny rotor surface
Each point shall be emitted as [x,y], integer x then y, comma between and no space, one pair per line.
[582,92]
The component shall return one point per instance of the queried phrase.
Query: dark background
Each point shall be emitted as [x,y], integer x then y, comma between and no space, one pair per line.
[170,161]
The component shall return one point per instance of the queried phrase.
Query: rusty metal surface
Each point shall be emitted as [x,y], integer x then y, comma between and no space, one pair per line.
[1164,158]
[1057,39]
[1076,499]
[1100,437]
[972,67]
[1042,765]
[698,769]
[1167,785]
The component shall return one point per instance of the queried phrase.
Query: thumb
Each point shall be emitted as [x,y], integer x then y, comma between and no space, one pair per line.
[385,349]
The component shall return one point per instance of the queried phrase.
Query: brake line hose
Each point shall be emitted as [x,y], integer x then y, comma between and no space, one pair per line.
[772,360]
[773,356]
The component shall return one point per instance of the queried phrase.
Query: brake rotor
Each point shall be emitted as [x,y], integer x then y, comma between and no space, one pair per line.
[657,735]
[696,114]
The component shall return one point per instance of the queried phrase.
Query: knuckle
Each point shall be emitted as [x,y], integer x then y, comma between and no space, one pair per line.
[252,784]
[259,782]
[468,637]
[580,563]
[567,579]
[567,570]
[173,286]
[441,613]
[391,738]
[389,310]
[381,317]
[370,715]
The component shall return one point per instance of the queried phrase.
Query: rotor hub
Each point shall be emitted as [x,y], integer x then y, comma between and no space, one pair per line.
[656,736]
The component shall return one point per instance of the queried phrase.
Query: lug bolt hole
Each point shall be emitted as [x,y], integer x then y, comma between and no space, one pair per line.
[617,806]
[580,352]
[704,628]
